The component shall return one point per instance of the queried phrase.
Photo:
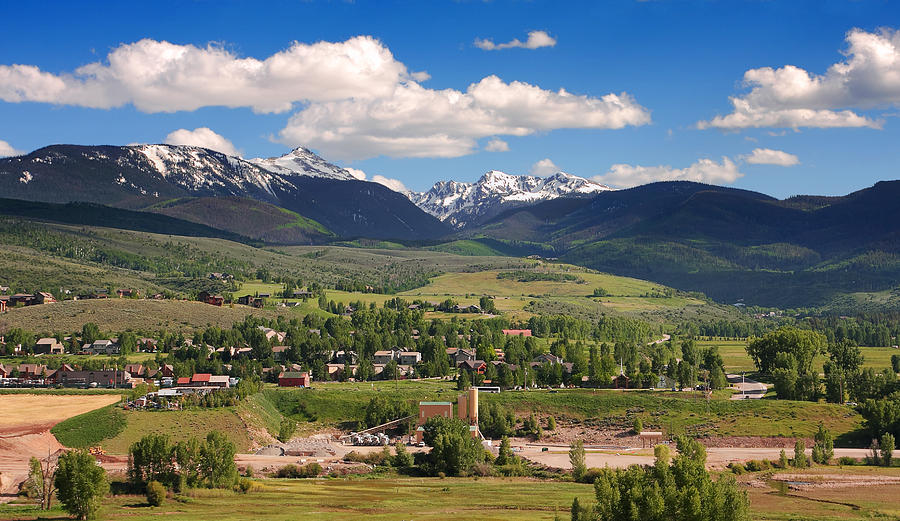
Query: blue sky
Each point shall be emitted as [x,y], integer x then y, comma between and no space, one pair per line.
[821,118]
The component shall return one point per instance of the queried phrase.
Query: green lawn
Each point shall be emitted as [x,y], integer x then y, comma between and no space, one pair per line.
[736,360]
[179,425]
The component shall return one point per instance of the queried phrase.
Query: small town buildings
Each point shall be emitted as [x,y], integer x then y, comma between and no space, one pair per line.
[4,303]
[278,352]
[136,370]
[383,357]
[473,366]
[293,379]
[43,297]
[103,347]
[48,346]
[460,355]
[409,357]
[103,378]
[466,410]
[220,381]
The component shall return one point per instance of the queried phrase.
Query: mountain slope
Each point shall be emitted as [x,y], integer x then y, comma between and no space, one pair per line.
[730,244]
[247,217]
[466,204]
[141,176]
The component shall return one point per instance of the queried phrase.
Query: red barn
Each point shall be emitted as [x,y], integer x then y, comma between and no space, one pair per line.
[293,379]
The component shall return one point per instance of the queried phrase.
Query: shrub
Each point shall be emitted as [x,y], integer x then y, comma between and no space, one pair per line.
[737,468]
[847,460]
[758,465]
[783,461]
[551,423]
[156,493]
[638,425]
[800,460]
[244,485]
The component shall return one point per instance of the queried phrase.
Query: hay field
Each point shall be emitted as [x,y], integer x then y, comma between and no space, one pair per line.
[20,410]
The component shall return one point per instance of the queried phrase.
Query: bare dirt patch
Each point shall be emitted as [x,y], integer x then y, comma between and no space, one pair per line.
[25,422]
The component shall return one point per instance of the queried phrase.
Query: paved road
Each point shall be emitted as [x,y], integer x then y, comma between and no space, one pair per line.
[751,389]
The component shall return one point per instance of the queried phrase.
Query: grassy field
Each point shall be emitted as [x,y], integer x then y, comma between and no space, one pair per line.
[679,413]
[334,405]
[736,359]
[484,499]
[90,428]
[129,314]
[179,425]
[352,499]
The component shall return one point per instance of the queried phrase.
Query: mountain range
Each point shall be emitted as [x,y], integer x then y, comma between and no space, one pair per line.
[734,245]
[463,205]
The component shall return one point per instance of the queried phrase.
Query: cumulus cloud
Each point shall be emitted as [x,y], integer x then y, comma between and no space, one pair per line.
[497,145]
[415,121]
[202,137]
[767,156]
[536,40]
[394,184]
[7,150]
[356,173]
[356,100]
[159,76]
[703,171]
[792,97]
[544,167]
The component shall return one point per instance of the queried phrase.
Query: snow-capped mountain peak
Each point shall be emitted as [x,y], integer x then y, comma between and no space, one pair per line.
[460,204]
[302,161]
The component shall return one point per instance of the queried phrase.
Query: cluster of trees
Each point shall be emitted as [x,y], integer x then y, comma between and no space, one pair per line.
[788,355]
[178,466]
[604,329]
[534,276]
[670,490]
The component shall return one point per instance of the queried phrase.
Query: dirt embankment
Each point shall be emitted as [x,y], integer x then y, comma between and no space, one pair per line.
[25,423]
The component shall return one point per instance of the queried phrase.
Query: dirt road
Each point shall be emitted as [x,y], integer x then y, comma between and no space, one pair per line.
[716,457]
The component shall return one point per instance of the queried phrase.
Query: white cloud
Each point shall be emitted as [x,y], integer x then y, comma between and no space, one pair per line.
[356,99]
[767,156]
[702,171]
[202,137]
[158,76]
[356,173]
[419,122]
[394,184]
[536,40]
[544,167]
[7,150]
[497,145]
[792,97]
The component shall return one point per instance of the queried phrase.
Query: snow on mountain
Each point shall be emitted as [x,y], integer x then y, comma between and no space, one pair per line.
[460,204]
[199,169]
[303,162]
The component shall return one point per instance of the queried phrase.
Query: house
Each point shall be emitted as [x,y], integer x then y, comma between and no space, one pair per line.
[345,356]
[22,299]
[4,289]
[383,357]
[43,297]
[200,379]
[460,355]
[264,295]
[147,345]
[302,294]
[517,332]
[477,366]
[48,346]
[136,370]
[271,333]
[103,347]
[293,379]
[32,371]
[213,300]
[167,371]
[103,378]
[126,293]
[221,381]
[278,352]
[410,357]
[184,381]
[547,357]
[244,300]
